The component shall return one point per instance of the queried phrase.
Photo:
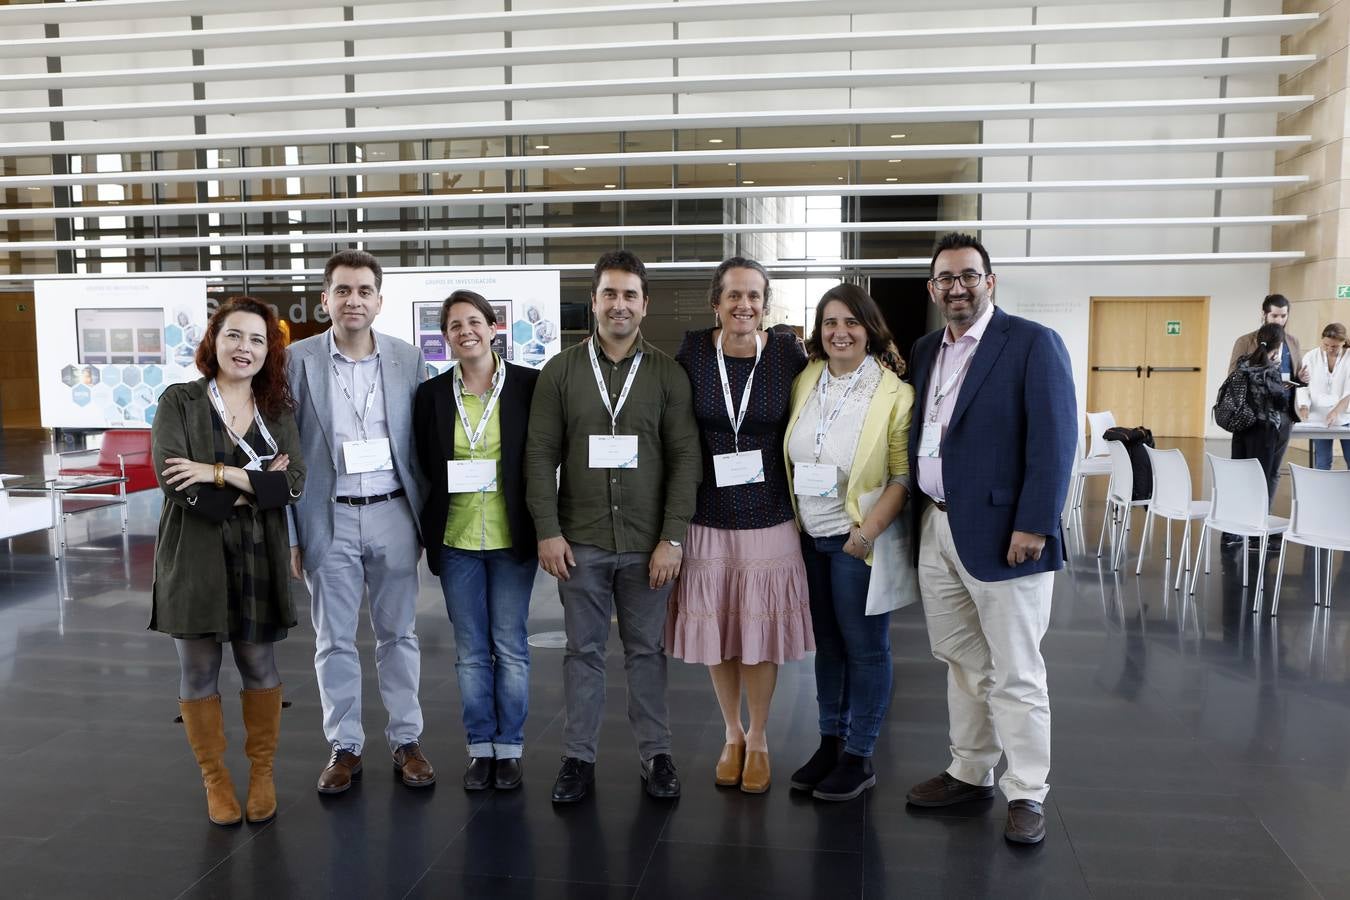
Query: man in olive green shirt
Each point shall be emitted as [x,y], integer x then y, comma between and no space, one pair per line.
[617,415]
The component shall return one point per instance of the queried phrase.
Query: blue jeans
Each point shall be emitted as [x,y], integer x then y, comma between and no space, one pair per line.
[487,594]
[853,650]
[1321,452]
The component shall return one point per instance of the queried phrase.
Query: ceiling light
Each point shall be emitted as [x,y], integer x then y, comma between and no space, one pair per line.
[733,165]
[897,137]
[747,181]
[892,179]
[477,190]
[541,146]
[578,168]
[714,140]
[894,160]
[611,185]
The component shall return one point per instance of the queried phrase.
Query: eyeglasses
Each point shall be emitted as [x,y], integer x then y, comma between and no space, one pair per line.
[968,280]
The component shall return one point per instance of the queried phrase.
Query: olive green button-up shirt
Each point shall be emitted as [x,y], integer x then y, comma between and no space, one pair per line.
[623,510]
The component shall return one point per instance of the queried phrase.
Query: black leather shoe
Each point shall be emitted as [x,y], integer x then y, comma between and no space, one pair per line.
[1026,822]
[507,775]
[574,780]
[478,776]
[850,777]
[659,773]
[821,763]
[944,790]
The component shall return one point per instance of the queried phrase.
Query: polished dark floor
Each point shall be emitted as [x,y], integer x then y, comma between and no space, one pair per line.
[1199,751]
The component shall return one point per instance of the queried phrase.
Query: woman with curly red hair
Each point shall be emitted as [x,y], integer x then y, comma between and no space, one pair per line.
[227,454]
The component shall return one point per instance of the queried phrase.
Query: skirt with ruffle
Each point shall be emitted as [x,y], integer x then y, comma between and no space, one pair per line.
[741,595]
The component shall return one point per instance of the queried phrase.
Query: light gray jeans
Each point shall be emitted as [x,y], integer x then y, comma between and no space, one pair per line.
[375,550]
[602,583]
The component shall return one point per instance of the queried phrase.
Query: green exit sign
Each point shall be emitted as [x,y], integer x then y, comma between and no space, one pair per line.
[1343,292]
[1174,326]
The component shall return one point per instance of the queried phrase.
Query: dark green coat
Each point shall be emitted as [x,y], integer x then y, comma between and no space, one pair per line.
[189,593]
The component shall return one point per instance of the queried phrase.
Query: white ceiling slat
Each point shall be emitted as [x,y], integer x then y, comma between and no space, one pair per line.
[624,87]
[816,267]
[671,158]
[384,238]
[684,48]
[593,124]
[418,201]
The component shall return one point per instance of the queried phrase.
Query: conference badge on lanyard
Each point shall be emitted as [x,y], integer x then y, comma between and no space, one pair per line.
[613,451]
[930,438]
[737,468]
[819,479]
[368,454]
[255,462]
[472,475]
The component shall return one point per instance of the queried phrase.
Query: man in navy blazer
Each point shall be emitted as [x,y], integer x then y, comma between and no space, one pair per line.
[991,453]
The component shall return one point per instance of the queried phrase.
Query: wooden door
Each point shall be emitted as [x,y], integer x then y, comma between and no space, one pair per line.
[1174,373]
[18,362]
[1146,362]
[1116,359]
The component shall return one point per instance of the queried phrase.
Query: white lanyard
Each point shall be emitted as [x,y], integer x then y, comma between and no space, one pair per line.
[476,434]
[219,403]
[826,421]
[370,394]
[941,393]
[613,410]
[732,416]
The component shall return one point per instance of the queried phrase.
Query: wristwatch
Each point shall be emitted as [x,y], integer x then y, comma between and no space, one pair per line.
[675,544]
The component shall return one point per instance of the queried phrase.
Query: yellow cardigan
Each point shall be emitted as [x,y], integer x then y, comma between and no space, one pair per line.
[883,446]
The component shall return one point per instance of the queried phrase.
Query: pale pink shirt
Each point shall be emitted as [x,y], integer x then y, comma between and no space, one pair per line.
[952,357]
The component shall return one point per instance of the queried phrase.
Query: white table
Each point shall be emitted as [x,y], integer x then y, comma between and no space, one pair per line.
[1317,431]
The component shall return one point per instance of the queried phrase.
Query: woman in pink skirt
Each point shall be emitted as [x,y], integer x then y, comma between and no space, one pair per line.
[740,606]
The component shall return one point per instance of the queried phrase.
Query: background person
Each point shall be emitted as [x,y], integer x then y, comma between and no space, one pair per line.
[740,605]
[1327,396]
[1267,396]
[847,436]
[227,454]
[469,427]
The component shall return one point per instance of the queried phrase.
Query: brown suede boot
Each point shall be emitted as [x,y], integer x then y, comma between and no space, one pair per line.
[262,722]
[205,727]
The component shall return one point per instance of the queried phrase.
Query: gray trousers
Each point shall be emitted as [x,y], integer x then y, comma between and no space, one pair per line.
[375,550]
[602,583]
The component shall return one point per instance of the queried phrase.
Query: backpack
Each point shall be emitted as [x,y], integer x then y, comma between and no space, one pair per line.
[1232,410]
[1135,440]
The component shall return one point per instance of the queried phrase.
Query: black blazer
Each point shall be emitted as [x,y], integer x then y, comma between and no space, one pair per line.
[434,417]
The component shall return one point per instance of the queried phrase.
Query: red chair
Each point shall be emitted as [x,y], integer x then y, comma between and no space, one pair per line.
[125,452]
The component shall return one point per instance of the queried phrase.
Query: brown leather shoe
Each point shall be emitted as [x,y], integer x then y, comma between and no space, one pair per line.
[944,790]
[337,776]
[729,765]
[755,778]
[413,766]
[1026,822]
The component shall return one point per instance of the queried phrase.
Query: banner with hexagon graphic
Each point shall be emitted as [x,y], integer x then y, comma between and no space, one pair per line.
[528,305]
[107,348]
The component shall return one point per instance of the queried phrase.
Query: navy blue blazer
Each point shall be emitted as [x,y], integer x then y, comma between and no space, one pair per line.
[1008,453]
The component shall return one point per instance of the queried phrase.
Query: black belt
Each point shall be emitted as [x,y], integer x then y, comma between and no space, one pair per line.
[367,501]
[940,504]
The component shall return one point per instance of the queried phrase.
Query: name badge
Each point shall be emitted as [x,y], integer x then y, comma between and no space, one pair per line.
[373,455]
[470,476]
[930,440]
[739,468]
[614,451]
[815,480]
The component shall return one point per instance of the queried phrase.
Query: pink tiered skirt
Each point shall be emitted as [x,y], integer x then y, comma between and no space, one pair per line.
[741,595]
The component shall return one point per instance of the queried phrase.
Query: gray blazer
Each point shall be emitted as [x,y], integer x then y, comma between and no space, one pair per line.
[311,382]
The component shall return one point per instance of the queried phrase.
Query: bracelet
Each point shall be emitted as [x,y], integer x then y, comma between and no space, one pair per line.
[220,475]
[862,537]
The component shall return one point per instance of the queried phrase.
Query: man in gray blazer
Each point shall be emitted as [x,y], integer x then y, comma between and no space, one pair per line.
[356,529]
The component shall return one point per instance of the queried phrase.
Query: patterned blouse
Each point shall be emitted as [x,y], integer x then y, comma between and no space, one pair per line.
[743,506]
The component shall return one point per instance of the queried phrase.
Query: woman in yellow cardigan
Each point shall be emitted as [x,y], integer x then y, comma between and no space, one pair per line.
[847,436]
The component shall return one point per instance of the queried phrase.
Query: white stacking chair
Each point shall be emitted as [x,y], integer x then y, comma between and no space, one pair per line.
[1319,520]
[1171,502]
[1097,459]
[1118,503]
[1240,506]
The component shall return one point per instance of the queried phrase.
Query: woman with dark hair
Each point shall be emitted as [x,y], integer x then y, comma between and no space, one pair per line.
[1327,396]
[740,605]
[228,457]
[469,432]
[1268,397]
[847,440]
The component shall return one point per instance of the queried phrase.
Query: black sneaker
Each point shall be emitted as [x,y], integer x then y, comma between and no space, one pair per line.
[659,774]
[821,763]
[850,777]
[574,780]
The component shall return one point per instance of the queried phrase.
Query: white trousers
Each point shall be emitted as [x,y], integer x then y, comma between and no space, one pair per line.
[374,551]
[989,635]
